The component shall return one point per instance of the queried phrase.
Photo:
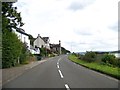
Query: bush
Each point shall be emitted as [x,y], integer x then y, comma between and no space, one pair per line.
[24,54]
[110,60]
[116,62]
[43,52]
[89,56]
[11,49]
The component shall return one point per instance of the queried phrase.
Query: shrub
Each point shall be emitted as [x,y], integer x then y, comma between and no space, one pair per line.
[11,49]
[24,54]
[110,59]
[89,56]
[117,62]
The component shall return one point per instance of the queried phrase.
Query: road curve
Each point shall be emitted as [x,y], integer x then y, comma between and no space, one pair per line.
[59,72]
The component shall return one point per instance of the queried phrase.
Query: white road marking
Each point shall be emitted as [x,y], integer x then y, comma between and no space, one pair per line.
[67,87]
[58,66]
[58,61]
[60,74]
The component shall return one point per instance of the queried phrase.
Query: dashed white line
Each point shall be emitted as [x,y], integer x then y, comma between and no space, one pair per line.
[67,87]
[60,74]
[58,66]
[58,61]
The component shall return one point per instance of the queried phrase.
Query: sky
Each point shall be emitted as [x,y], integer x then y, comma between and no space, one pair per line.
[81,25]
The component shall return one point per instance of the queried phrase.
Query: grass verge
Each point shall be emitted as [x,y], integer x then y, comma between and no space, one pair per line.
[112,71]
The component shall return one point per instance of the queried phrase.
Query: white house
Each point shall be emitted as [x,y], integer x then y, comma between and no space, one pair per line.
[46,40]
[24,37]
[39,42]
[42,42]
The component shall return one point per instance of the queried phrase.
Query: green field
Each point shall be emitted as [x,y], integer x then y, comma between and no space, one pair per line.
[112,71]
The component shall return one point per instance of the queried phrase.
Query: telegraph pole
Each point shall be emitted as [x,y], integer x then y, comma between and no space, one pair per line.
[60,47]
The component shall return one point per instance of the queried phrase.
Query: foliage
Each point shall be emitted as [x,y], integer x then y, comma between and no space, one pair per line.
[24,54]
[42,51]
[89,56]
[10,17]
[110,60]
[12,48]
[64,51]
[31,40]
[112,71]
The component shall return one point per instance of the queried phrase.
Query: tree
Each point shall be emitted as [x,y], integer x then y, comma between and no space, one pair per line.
[10,17]
[11,45]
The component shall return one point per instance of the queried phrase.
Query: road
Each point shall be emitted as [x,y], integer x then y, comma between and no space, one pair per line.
[59,72]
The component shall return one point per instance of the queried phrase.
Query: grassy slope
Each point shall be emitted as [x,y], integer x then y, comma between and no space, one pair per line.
[112,71]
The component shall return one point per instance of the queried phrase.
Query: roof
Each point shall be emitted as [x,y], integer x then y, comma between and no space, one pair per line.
[22,31]
[54,45]
[45,39]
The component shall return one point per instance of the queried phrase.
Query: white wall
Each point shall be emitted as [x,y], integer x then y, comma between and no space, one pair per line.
[39,42]
[23,38]
[48,46]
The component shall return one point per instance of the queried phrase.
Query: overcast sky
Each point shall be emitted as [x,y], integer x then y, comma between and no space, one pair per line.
[81,25]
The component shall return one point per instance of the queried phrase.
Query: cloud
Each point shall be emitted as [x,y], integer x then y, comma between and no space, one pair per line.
[83,31]
[88,26]
[114,27]
[76,6]
[80,4]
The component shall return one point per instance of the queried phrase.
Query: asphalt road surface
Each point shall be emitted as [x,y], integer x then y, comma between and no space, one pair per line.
[59,72]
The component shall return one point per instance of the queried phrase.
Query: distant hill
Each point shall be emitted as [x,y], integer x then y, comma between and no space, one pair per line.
[115,51]
[100,52]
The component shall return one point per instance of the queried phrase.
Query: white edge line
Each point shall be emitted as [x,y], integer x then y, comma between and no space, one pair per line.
[67,87]
[60,73]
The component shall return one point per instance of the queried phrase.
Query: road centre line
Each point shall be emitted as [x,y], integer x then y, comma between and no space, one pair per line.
[58,66]
[67,87]
[58,61]
[60,74]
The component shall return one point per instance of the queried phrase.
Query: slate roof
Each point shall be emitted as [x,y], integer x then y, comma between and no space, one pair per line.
[45,39]
[22,31]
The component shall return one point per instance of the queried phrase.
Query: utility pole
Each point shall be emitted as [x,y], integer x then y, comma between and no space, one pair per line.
[59,47]
[71,47]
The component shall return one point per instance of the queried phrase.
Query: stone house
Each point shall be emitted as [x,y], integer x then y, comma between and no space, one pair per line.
[56,48]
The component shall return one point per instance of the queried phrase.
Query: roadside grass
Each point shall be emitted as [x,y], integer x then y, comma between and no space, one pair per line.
[112,71]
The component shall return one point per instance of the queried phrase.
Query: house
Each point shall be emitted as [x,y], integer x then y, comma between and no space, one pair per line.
[56,48]
[23,36]
[46,41]
[39,42]
[42,42]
